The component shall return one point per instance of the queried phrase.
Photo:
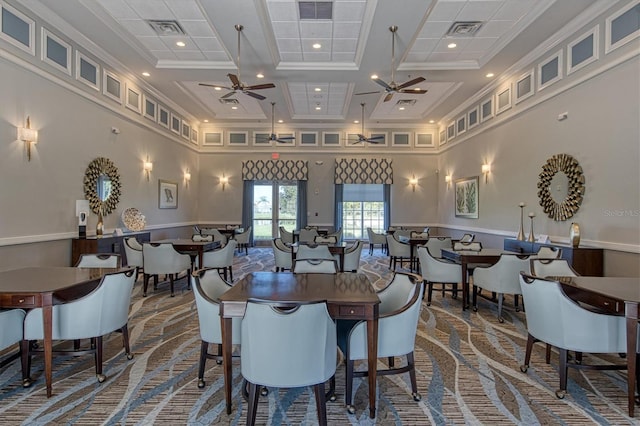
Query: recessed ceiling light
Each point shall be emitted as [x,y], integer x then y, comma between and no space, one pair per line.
[217,88]
[451,45]
[317,89]
[318,108]
[234,107]
[317,45]
[280,121]
[356,121]
[489,75]
[431,121]
[401,108]
[259,75]
[181,43]
[206,121]
[416,89]
[373,76]
[146,74]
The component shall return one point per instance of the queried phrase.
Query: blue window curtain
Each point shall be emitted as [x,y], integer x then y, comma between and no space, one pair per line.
[337,213]
[387,205]
[301,215]
[247,206]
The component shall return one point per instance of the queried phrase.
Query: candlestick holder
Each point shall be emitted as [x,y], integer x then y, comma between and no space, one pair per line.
[521,232]
[532,237]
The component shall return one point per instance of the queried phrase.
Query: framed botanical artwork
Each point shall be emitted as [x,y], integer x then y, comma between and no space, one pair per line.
[194,136]
[238,138]
[461,125]
[550,70]
[583,51]
[163,116]
[167,194]
[621,27]
[466,202]
[262,138]
[473,118]
[451,131]
[443,137]
[308,138]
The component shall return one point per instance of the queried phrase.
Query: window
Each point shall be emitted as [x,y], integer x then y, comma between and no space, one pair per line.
[622,27]
[550,71]
[362,208]
[309,138]
[87,71]
[17,29]
[583,52]
[56,52]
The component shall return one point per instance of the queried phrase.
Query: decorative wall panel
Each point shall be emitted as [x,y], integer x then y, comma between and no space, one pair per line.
[363,170]
[275,170]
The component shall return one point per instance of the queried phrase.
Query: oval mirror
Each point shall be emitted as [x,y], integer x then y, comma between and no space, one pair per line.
[561,187]
[102,186]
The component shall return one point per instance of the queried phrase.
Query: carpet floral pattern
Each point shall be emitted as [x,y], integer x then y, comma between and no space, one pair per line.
[467,368]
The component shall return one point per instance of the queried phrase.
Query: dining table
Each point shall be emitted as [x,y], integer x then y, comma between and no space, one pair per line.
[348,296]
[43,287]
[192,248]
[334,248]
[616,296]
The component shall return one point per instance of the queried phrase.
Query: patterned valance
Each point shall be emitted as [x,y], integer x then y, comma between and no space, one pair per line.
[275,170]
[363,170]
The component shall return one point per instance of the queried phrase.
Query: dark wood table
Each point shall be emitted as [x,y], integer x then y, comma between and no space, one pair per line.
[43,287]
[619,296]
[465,258]
[337,248]
[348,296]
[192,248]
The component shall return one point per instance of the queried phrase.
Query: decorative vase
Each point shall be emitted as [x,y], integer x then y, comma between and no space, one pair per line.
[574,234]
[100,225]
[532,237]
[521,232]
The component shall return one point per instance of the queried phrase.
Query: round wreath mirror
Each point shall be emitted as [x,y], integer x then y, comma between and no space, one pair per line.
[102,186]
[561,187]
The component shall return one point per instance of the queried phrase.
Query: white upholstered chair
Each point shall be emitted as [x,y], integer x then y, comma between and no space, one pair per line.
[399,312]
[133,251]
[208,286]
[436,244]
[307,235]
[286,236]
[99,261]
[502,278]
[315,266]
[319,251]
[337,234]
[473,245]
[419,234]
[163,259]
[201,238]
[104,310]
[11,332]
[217,235]
[555,319]
[551,268]
[242,239]
[375,238]
[352,257]
[398,251]
[287,348]
[326,239]
[222,259]
[282,255]
[436,271]
[467,238]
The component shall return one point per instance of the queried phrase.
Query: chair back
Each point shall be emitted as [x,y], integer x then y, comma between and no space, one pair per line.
[307,235]
[548,252]
[217,235]
[133,251]
[417,234]
[436,244]
[328,239]
[397,248]
[473,245]
[402,235]
[397,293]
[201,238]
[221,258]
[319,251]
[162,258]
[11,327]
[337,234]
[208,286]
[315,266]
[438,271]
[286,236]
[288,348]
[133,243]
[467,238]
[375,238]
[551,268]
[243,237]
[196,229]
[98,261]
[352,257]
[502,277]
[281,253]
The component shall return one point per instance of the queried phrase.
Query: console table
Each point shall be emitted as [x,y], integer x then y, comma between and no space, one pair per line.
[585,260]
[105,244]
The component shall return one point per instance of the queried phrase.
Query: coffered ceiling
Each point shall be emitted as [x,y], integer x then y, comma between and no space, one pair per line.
[312,85]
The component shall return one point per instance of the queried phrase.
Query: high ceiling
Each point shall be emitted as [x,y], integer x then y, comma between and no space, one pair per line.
[312,84]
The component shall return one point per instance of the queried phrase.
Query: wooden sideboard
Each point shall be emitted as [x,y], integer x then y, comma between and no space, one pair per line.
[585,260]
[105,244]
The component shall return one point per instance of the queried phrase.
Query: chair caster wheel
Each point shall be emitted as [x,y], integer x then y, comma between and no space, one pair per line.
[129,357]
[264,391]
[172,295]
[219,361]
[416,396]
[26,382]
[517,309]
[351,409]
[144,294]
[333,397]
[524,368]
[428,303]
[500,320]
[201,383]
[475,309]
[101,378]
[560,394]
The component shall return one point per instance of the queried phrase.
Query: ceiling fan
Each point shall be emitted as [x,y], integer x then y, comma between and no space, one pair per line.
[236,83]
[362,138]
[392,87]
[272,136]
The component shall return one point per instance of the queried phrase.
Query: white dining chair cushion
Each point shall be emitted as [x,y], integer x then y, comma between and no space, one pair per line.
[201,238]
[133,243]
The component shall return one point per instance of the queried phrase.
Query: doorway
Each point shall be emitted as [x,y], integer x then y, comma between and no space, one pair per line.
[275,204]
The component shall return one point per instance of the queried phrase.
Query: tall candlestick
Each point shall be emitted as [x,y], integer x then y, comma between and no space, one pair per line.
[521,231]
[532,237]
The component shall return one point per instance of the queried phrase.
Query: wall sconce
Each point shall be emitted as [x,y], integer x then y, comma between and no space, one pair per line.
[28,136]
[486,169]
[413,182]
[187,176]
[147,166]
[447,179]
[224,181]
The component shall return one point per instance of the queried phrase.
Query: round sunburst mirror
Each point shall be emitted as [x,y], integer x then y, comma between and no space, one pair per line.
[102,186]
[561,187]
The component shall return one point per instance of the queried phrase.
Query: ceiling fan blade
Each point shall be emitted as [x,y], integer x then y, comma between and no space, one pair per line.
[366,93]
[254,95]
[413,91]
[388,97]
[233,92]
[286,138]
[373,140]
[382,83]
[217,86]
[261,86]
[234,79]
[411,82]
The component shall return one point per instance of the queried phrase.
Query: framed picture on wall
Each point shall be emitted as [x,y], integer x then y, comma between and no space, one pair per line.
[167,194]
[466,202]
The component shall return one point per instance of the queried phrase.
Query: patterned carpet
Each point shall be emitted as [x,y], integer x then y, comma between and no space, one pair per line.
[467,368]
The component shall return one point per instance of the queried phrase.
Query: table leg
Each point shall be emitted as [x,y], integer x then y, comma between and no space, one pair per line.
[226,359]
[631,313]
[341,256]
[47,324]
[465,286]
[372,361]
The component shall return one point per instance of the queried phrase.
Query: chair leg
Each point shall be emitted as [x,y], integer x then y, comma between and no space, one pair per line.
[204,346]
[349,382]
[25,361]
[429,293]
[321,403]
[547,356]
[474,298]
[391,361]
[563,373]
[231,273]
[500,301]
[171,284]
[101,377]
[527,354]
[516,303]
[253,404]
[155,282]
[412,377]
[125,341]
[145,285]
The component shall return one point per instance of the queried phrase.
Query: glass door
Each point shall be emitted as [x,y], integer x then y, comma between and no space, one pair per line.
[275,204]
